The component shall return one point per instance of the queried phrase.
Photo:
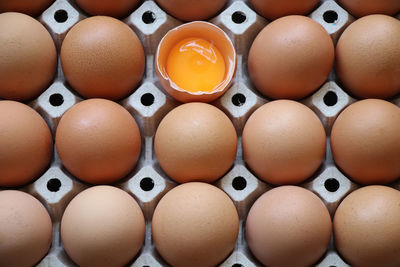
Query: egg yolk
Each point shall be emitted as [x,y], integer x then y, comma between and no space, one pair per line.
[195,64]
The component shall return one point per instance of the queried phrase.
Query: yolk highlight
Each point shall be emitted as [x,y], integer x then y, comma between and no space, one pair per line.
[195,64]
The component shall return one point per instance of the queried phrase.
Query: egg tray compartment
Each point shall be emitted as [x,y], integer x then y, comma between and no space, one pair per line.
[147,183]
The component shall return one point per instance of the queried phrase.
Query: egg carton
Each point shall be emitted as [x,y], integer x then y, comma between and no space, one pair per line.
[147,183]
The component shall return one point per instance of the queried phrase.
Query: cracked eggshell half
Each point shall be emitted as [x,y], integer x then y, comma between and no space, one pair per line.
[206,31]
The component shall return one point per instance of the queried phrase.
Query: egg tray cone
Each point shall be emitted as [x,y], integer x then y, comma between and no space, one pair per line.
[147,183]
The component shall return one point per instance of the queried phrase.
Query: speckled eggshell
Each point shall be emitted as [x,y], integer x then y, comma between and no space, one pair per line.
[368,57]
[113,8]
[32,8]
[98,141]
[102,226]
[283,142]
[102,57]
[28,57]
[288,226]
[26,229]
[361,8]
[290,58]
[365,141]
[195,142]
[26,144]
[189,10]
[195,224]
[367,228]
[273,9]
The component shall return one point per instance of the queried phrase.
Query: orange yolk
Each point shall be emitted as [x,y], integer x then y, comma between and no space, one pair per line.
[195,64]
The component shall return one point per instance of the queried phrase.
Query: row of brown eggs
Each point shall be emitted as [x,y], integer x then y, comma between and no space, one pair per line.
[290,58]
[196,224]
[283,142]
[193,10]
[186,254]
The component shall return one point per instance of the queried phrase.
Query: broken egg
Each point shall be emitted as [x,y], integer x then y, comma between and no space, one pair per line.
[195,62]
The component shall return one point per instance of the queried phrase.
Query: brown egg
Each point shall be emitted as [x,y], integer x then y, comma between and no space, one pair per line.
[290,58]
[365,141]
[195,62]
[195,142]
[288,226]
[283,142]
[366,227]
[189,10]
[25,230]
[98,141]
[28,57]
[26,144]
[368,57]
[29,7]
[102,57]
[195,224]
[273,9]
[102,226]
[113,8]
[361,8]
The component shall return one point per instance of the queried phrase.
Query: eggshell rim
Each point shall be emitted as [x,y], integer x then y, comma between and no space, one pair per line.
[202,96]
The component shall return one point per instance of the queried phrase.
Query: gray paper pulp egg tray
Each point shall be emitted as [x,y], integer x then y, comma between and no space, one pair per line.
[147,183]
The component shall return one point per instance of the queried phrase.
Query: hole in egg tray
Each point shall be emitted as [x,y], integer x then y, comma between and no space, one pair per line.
[147,184]
[330,16]
[147,99]
[330,98]
[61,16]
[238,17]
[239,183]
[332,185]
[148,17]
[53,185]
[56,100]
[238,99]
